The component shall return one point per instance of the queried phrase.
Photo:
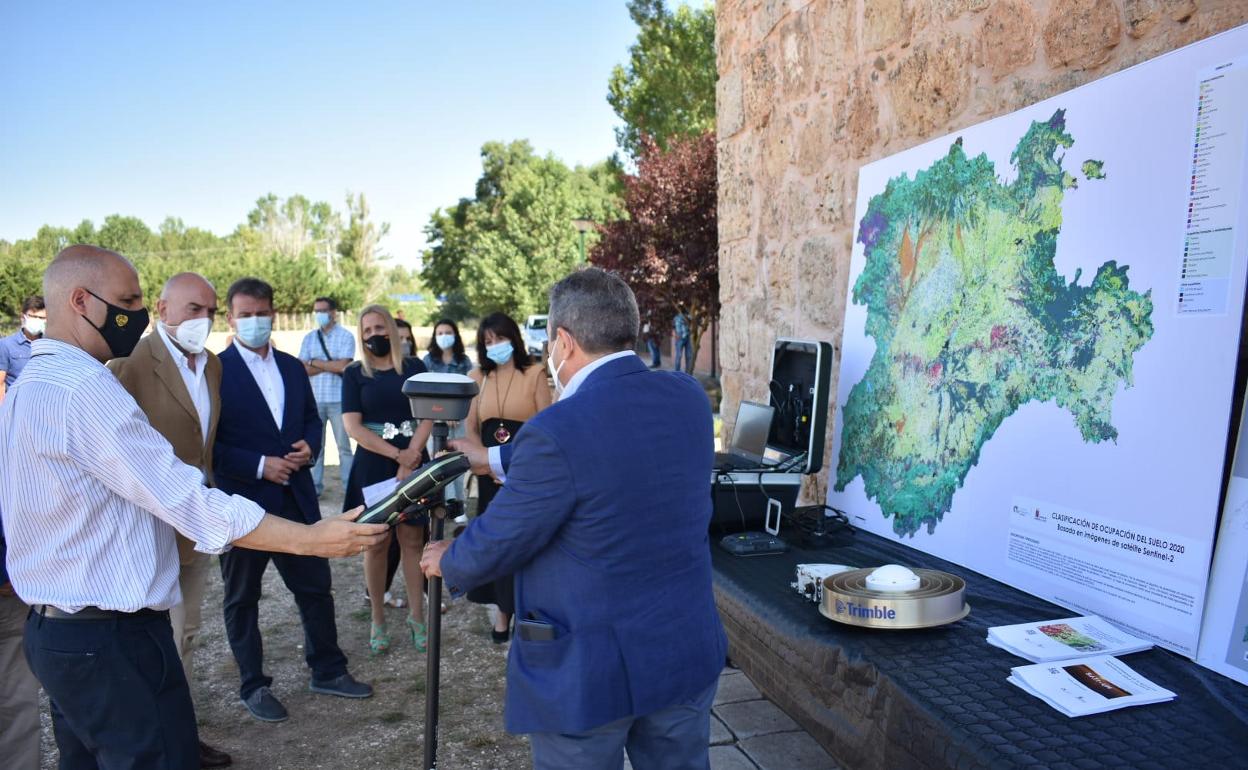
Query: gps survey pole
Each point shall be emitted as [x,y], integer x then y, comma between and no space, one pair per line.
[441,398]
[433,608]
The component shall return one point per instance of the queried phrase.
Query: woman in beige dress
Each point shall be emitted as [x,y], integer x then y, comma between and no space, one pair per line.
[513,388]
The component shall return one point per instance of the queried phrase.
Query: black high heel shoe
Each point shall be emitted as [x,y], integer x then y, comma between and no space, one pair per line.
[500,637]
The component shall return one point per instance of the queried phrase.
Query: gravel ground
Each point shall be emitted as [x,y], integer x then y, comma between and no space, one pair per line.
[385,731]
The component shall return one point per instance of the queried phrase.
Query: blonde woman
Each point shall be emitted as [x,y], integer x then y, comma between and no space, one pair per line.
[391,444]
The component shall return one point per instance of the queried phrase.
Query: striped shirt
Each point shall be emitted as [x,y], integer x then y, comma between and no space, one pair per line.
[91,493]
[327,386]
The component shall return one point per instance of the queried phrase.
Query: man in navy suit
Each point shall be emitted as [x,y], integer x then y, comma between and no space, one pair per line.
[603,519]
[268,434]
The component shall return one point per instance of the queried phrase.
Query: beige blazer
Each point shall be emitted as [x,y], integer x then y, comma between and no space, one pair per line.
[151,375]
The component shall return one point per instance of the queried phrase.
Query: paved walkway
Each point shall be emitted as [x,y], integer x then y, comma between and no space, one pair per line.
[748,732]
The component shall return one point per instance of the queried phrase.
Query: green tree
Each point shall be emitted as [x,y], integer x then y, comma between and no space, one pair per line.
[504,248]
[358,278]
[22,264]
[668,87]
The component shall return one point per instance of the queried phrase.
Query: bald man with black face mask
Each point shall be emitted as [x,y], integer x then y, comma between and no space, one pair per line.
[91,498]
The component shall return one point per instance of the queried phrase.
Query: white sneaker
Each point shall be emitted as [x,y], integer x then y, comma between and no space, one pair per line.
[461,518]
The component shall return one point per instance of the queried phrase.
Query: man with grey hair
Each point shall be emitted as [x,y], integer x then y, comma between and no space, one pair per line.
[603,519]
[177,384]
[91,498]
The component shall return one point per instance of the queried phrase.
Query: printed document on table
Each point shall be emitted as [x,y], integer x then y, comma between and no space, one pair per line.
[1063,639]
[1086,686]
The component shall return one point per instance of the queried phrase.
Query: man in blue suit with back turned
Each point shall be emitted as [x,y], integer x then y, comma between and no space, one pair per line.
[267,436]
[603,519]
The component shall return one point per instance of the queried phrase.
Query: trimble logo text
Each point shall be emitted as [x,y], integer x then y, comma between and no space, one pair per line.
[874,612]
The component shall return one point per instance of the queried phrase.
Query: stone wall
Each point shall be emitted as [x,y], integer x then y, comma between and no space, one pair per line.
[810,90]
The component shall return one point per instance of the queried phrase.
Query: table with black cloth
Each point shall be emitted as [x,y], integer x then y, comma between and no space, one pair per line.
[939,697]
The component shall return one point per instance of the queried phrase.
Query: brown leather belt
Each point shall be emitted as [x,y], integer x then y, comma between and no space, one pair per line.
[93,613]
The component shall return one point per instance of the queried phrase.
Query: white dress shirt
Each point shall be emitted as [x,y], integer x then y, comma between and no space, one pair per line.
[196,383]
[91,494]
[269,379]
[569,390]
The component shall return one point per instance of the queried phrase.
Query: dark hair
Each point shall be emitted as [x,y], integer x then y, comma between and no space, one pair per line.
[435,352]
[503,326]
[597,308]
[333,303]
[402,324]
[33,302]
[248,287]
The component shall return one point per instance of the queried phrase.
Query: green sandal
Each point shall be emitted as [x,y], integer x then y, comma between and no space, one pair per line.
[420,638]
[379,639]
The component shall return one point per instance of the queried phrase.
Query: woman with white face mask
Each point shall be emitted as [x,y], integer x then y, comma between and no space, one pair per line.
[446,350]
[513,388]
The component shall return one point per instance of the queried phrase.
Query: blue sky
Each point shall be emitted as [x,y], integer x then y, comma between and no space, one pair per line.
[196,110]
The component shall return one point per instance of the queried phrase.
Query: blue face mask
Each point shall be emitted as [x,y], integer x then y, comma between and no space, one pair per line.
[322,319]
[499,352]
[254,331]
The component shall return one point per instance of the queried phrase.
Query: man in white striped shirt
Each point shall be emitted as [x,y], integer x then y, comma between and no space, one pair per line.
[90,498]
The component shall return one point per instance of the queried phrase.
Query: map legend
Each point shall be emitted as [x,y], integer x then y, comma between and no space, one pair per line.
[1214,190]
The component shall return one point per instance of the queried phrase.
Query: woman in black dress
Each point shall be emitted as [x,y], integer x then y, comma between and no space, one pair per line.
[391,445]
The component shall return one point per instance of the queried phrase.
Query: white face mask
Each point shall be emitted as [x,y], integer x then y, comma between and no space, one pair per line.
[554,370]
[191,335]
[34,325]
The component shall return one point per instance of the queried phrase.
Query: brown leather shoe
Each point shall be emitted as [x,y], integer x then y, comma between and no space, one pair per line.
[210,757]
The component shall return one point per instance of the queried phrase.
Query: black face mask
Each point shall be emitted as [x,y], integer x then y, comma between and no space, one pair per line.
[122,328]
[378,345]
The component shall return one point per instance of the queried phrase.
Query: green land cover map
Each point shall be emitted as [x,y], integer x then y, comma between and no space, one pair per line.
[971,320]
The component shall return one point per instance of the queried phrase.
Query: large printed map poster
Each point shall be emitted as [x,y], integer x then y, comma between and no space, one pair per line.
[1041,335]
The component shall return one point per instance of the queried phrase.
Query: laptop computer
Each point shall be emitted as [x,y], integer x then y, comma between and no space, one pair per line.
[749,438]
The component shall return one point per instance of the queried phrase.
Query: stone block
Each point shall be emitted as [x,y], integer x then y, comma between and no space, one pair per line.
[735,688]
[833,203]
[730,758]
[1142,16]
[729,107]
[1081,33]
[951,9]
[720,734]
[862,124]
[1007,37]
[796,65]
[755,717]
[930,85]
[831,25]
[815,139]
[787,751]
[735,168]
[759,88]
[885,23]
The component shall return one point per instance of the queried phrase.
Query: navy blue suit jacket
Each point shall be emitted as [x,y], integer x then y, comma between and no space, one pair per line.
[603,520]
[246,433]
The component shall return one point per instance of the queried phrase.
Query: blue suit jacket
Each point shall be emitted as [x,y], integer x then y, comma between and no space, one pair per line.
[603,520]
[246,433]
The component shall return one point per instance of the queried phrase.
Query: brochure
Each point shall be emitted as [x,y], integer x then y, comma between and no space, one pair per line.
[379,491]
[1086,686]
[1063,639]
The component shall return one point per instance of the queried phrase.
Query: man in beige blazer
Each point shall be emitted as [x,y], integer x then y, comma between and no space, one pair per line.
[177,384]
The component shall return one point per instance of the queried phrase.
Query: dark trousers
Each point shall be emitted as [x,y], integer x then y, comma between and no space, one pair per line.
[674,738]
[308,578]
[119,696]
